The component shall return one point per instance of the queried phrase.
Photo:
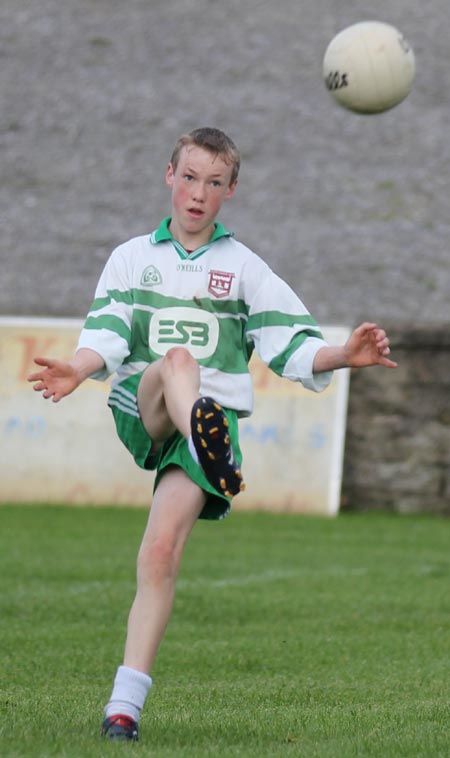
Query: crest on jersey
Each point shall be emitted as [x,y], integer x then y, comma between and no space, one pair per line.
[151,277]
[220,283]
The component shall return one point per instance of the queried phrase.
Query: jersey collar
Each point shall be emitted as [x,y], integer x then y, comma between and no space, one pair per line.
[163,234]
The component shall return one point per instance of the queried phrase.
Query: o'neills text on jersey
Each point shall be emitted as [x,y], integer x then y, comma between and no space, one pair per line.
[191,267]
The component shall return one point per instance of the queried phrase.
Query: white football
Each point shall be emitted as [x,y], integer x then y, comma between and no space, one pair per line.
[369,67]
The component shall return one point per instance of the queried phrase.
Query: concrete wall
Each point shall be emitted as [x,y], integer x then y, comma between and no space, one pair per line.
[397,452]
[69,452]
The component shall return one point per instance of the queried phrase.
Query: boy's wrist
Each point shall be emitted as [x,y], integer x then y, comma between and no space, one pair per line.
[330,358]
[85,363]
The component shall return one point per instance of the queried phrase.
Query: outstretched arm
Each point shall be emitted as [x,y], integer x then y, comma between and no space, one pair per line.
[368,345]
[57,378]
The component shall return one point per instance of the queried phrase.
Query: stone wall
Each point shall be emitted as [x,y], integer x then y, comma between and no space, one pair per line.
[398,435]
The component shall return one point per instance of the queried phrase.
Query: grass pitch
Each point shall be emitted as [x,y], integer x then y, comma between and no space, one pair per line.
[291,636]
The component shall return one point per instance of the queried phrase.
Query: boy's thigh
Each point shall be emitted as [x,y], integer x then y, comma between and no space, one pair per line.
[123,401]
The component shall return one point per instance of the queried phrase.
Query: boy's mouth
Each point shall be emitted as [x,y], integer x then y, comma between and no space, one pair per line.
[195,212]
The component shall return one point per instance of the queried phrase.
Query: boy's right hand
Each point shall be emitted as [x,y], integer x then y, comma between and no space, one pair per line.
[56,380]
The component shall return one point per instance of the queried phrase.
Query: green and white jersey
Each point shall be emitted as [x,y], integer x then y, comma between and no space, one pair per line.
[220,302]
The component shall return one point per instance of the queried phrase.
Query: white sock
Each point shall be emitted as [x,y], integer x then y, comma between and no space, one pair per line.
[192,449]
[129,693]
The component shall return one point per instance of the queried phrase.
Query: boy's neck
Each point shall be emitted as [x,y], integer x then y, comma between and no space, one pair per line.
[191,242]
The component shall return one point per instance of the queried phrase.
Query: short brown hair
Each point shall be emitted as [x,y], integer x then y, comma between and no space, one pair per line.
[213,140]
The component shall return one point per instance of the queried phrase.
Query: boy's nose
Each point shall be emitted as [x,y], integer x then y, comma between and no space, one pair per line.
[199,193]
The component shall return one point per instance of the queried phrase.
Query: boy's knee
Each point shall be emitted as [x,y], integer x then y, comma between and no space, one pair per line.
[178,359]
[158,559]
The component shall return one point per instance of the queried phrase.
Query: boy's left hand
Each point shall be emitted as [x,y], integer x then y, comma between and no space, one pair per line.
[368,345]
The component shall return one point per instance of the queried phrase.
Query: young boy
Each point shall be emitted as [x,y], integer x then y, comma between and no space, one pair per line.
[176,316]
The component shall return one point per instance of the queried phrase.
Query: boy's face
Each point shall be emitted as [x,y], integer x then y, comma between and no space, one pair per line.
[200,183]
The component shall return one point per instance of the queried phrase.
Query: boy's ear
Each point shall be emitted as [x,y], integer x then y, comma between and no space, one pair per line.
[169,175]
[231,189]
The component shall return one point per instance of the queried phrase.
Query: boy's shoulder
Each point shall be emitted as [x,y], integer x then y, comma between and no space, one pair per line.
[131,249]
[135,242]
[244,258]
[243,253]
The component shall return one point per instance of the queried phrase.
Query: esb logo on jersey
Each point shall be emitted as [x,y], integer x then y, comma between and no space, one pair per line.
[220,283]
[196,330]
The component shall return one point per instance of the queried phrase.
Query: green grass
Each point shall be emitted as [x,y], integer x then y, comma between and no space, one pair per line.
[291,636]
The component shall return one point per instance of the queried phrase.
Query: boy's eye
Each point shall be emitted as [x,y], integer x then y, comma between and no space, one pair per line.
[215,183]
[188,177]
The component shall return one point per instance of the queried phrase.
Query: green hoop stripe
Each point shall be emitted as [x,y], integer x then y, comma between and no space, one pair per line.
[277,318]
[278,363]
[157,301]
[112,323]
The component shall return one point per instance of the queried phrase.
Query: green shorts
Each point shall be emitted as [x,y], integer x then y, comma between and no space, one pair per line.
[123,403]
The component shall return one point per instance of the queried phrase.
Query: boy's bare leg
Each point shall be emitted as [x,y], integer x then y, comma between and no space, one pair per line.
[176,505]
[167,391]
[168,398]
